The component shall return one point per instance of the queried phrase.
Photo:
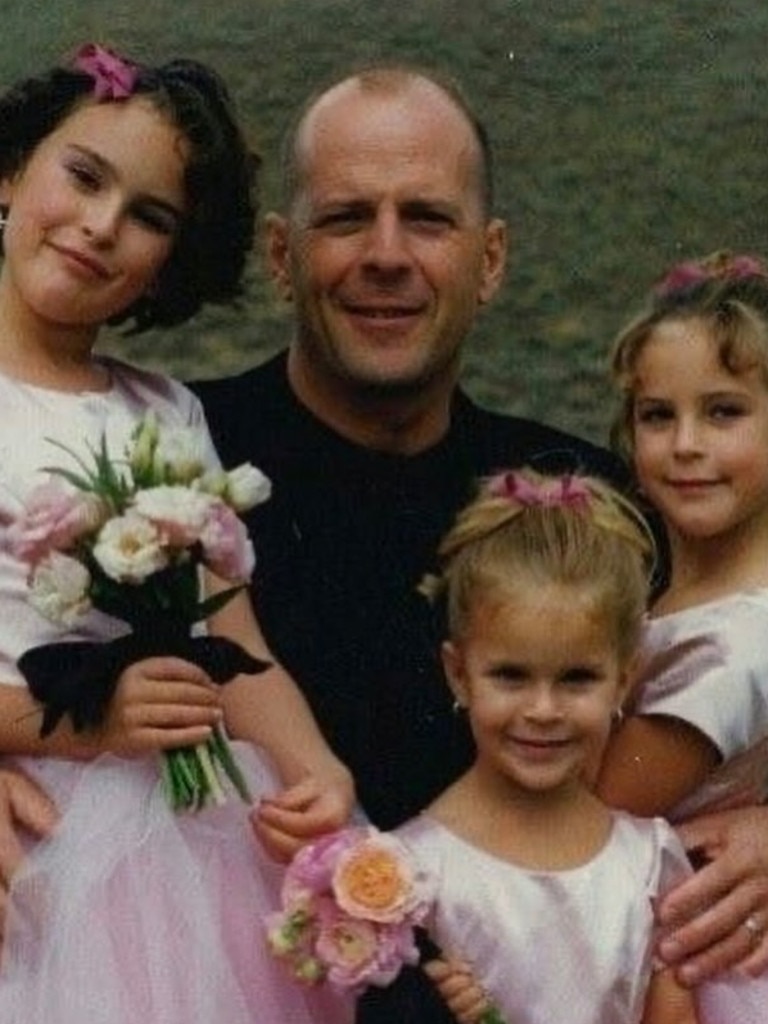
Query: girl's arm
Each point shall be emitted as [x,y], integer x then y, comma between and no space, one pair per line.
[269,710]
[652,762]
[667,1002]
[159,703]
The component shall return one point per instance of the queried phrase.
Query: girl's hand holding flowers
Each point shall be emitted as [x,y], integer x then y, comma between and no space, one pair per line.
[160,704]
[129,537]
[311,807]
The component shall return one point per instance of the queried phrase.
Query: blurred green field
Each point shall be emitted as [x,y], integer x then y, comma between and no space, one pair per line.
[627,136]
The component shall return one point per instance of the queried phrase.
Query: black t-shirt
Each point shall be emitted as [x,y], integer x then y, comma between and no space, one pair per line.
[341,547]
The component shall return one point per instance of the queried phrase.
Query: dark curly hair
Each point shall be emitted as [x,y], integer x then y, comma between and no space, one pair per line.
[216,233]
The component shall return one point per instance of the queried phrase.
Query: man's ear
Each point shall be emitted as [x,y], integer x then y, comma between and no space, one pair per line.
[494,259]
[278,254]
[455,674]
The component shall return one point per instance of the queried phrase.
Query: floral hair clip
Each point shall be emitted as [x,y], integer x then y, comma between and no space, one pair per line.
[114,77]
[569,491]
[723,266]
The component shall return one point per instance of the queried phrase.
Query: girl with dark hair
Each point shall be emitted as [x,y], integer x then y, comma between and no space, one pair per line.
[126,198]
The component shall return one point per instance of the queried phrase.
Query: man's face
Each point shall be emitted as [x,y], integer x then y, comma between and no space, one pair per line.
[387,251]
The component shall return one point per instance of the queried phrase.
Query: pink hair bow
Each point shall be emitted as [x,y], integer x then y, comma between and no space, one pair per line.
[562,491]
[114,77]
[730,268]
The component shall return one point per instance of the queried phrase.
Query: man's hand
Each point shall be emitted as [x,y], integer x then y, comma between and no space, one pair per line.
[718,919]
[23,805]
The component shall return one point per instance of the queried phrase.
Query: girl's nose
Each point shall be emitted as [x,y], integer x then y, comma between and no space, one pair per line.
[687,437]
[101,219]
[543,704]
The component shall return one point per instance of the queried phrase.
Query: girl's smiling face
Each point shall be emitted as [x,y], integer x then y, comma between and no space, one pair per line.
[700,433]
[94,213]
[540,677]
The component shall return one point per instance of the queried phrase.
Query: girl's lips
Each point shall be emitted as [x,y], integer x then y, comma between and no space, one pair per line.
[80,259]
[538,748]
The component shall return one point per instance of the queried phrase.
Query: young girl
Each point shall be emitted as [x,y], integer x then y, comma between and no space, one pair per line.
[126,198]
[544,890]
[693,370]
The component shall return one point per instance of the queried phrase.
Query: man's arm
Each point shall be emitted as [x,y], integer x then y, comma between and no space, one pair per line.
[23,805]
[733,887]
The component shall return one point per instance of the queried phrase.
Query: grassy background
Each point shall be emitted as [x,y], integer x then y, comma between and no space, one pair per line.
[628,136]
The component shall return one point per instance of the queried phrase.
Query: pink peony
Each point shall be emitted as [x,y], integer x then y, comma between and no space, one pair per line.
[54,519]
[358,953]
[311,871]
[227,549]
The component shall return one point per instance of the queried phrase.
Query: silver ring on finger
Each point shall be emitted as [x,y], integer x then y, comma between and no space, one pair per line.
[754,927]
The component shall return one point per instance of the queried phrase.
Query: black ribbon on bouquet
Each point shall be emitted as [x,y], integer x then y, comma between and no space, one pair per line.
[79,678]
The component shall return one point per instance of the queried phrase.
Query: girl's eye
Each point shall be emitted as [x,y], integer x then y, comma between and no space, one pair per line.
[508,673]
[84,176]
[653,414]
[580,675]
[727,411]
[161,221]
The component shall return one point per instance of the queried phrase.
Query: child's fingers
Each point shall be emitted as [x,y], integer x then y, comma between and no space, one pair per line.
[170,672]
[280,846]
[305,810]
[464,997]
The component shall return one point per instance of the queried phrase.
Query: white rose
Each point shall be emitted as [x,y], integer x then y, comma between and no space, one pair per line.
[129,549]
[178,513]
[246,486]
[180,455]
[59,589]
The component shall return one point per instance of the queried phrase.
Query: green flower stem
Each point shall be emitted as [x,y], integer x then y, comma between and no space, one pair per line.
[191,775]
[492,1016]
[208,768]
[223,754]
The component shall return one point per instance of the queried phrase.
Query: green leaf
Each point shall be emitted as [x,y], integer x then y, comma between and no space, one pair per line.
[215,602]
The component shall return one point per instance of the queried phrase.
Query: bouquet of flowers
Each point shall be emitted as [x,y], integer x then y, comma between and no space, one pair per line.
[353,906]
[351,901]
[129,538]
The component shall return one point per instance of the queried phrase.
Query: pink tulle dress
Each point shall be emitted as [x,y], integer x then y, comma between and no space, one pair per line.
[129,913]
[708,665]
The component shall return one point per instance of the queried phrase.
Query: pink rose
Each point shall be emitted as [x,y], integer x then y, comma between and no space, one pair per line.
[227,549]
[54,518]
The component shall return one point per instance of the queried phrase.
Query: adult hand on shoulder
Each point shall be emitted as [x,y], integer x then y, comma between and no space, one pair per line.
[23,805]
[718,919]
[309,808]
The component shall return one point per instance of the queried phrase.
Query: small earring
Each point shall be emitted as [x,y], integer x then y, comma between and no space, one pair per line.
[3,217]
[457,707]
[617,717]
